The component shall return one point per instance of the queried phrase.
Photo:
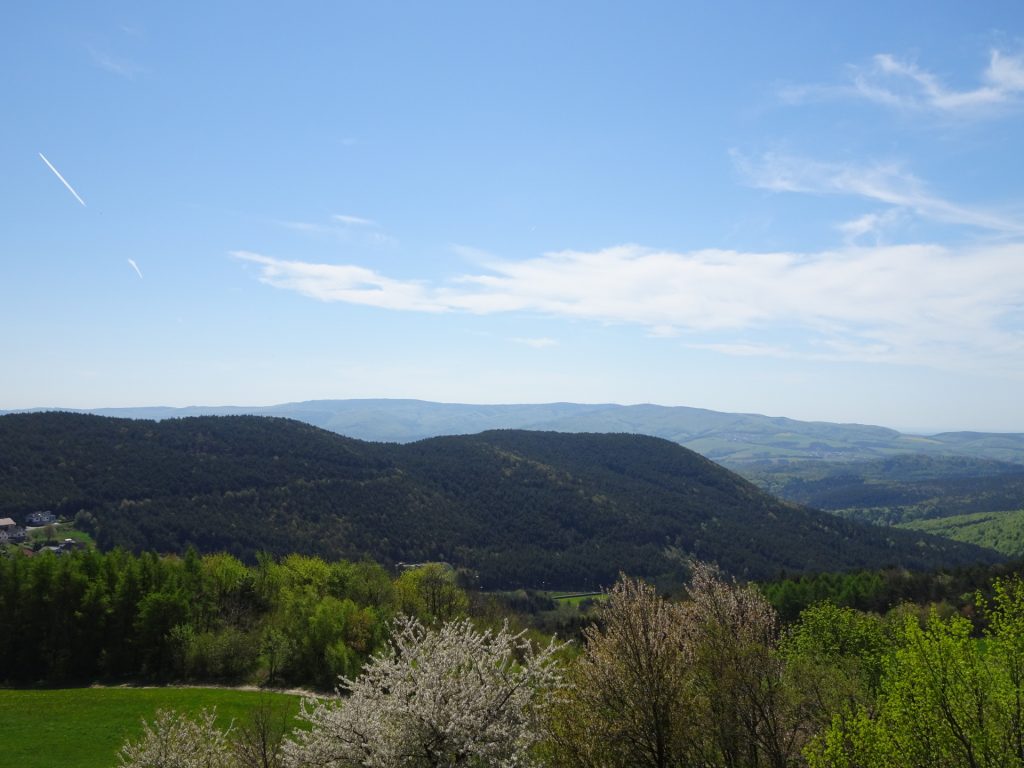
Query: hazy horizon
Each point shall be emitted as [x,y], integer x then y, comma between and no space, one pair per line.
[923,431]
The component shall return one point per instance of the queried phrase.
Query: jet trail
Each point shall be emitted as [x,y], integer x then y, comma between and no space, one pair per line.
[63,180]
[135,267]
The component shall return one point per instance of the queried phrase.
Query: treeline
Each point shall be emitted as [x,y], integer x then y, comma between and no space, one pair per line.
[713,680]
[950,591]
[297,621]
[301,620]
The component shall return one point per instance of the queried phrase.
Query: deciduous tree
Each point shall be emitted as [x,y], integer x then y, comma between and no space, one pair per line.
[174,740]
[628,700]
[452,696]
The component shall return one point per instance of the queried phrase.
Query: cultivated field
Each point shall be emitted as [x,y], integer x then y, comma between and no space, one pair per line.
[85,727]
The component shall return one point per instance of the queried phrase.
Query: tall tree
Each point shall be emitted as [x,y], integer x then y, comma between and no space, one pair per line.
[629,695]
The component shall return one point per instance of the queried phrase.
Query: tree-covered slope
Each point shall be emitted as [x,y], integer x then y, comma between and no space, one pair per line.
[521,508]
[732,439]
[899,489]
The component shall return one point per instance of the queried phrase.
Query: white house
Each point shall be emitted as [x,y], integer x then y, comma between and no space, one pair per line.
[40,518]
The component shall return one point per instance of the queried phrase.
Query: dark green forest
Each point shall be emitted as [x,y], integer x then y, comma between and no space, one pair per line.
[520,509]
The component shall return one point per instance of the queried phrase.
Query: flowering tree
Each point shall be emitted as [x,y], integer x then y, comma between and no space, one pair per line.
[174,740]
[447,697]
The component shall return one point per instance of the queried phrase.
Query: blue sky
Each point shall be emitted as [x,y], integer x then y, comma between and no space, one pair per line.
[809,210]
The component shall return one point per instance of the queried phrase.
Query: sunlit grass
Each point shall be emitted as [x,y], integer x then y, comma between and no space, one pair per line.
[85,727]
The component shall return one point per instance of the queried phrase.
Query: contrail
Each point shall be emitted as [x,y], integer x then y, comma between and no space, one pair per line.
[63,180]
[135,267]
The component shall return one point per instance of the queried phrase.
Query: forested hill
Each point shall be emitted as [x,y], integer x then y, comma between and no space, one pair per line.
[520,508]
[732,439]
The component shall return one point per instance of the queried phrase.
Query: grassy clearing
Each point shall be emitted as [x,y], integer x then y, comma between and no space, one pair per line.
[575,599]
[1002,531]
[85,727]
[57,532]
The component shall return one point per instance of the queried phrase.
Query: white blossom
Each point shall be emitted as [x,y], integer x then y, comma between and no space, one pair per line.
[448,697]
[175,741]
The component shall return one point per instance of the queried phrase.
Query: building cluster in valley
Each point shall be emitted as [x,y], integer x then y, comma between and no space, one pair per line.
[12,533]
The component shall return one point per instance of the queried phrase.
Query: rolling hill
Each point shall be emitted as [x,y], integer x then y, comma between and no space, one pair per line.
[732,439]
[521,508]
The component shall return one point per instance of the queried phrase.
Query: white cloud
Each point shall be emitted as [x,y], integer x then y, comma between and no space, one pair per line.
[353,221]
[539,343]
[342,282]
[883,182]
[348,229]
[306,226]
[870,224]
[920,304]
[746,349]
[118,66]
[902,84]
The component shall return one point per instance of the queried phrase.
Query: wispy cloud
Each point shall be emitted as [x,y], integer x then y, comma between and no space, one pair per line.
[538,343]
[135,267]
[307,226]
[903,84]
[923,304]
[354,221]
[342,282]
[870,225]
[116,65]
[887,183]
[891,80]
[350,229]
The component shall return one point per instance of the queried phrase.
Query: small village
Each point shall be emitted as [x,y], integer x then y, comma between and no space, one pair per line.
[38,534]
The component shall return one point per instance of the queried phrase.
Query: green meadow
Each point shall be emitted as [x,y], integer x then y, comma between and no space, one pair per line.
[1001,531]
[85,727]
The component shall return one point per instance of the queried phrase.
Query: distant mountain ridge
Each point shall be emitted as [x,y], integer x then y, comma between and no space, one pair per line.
[732,439]
[521,508]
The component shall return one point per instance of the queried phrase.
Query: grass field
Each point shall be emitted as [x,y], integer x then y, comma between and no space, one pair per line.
[85,727]
[1002,531]
[60,532]
[576,599]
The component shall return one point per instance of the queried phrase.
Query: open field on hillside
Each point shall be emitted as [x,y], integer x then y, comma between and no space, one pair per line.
[1001,531]
[85,727]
